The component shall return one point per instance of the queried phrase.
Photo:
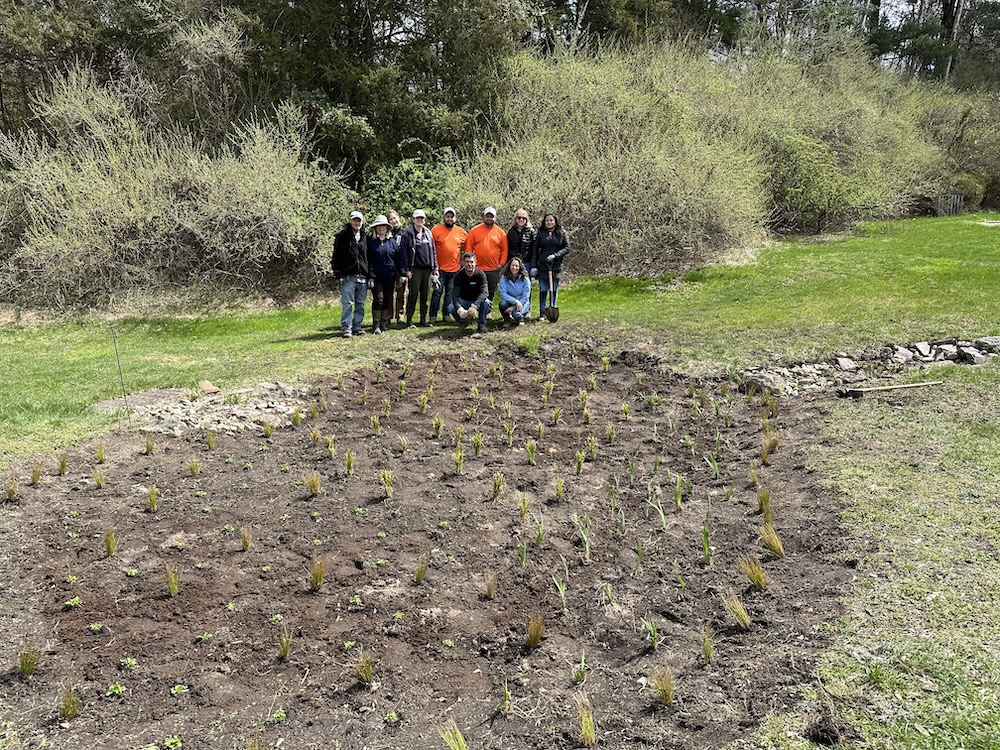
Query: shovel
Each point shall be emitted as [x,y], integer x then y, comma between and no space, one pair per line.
[552,311]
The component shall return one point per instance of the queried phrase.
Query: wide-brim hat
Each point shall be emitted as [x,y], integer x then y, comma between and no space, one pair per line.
[380,220]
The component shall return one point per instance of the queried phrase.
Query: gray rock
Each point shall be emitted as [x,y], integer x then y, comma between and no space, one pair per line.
[847,364]
[947,351]
[988,343]
[973,355]
[902,355]
[922,348]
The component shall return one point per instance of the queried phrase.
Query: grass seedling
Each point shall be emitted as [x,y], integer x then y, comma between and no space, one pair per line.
[536,629]
[317,574]
[316,408]
[63,464]
[422,401]
[522,506]
[539,530]
[194,466]
[14,492]
[586,416]
[364,396]
[579,462]
[27,660]
[110,542]
[539,430]
[547,389]
[580,670]
[632,467]
[490,590]
[210,440]
[315,435]
[651,632]
[735,609]
[611,434]
[506,409]
[340,381]
[706,535]
[584,398]
[477,444]
[407,370]
[68,705]
[753,474]
[438,426]
[364,668]
[452,735]
[498,483]
[679,491]
[592,382]
[763,500]
[560,489]
[664,685]
[561,589]
[102,453]
[153,499]
[404,444]
[767,446]
[387,481]
[592,447]
[378,372]
[285,644]
[376,423]
[173,578]
[751,567]
[472,411]
[267,429]
[420,569]
[531,447]
[312,483]
[99,481]
[506,706]
[626,410]
[508,429]
[605,364]
[588,729]
[246,538]
[713,465]
[640,550]
[349,463]
[36,474]
[583,531]
[147,445]
[522,554]
[556,415]
[770,539]
[297,416]
[458,457]
[708,645]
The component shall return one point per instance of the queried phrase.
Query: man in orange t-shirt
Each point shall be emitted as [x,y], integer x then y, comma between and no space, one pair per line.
[449,239]
[488,243]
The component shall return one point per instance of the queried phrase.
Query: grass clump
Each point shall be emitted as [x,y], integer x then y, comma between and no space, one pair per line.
[99,481]
[27,660]
[452,735]
[246,538]
[420,569]
[173,579]
[13,491]
[664,685]
[153,499]
[490,590]
[317,574]
[708,645]
[770,539]
[285,644]
[753,570]
[588,727]
[68,705]
[36,473]
[110,542]
[536,629]
[364,668]
[312,483]
[737,611]
[531,447]
[194,466]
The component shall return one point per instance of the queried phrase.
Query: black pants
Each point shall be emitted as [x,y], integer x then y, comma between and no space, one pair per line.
[420,284]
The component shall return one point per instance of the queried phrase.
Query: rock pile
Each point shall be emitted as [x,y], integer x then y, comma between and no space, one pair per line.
[974,352]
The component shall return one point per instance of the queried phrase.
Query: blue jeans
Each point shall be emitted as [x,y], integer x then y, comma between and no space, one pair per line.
[446,290]
[484,311]
[543,290]
[511,312]
[353,293]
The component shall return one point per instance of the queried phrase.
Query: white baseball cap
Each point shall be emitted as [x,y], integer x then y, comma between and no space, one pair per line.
[357,215]
[489,210]
[419,214]
[448,209]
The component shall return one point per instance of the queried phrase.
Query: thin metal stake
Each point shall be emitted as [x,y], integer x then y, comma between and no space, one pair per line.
[121,376]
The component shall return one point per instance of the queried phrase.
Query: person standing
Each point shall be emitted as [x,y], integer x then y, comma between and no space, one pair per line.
[420,262]
[383,261]
[488,243]
[469,301]
[397,231]
[520,242]
[350,265]
[449,239]
[551,246]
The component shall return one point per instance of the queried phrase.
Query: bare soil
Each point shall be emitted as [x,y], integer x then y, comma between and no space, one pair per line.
[206,662]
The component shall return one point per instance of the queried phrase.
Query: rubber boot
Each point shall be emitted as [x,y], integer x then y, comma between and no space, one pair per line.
[376,321]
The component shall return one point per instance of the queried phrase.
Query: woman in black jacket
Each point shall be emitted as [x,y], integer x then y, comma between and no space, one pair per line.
[550,247]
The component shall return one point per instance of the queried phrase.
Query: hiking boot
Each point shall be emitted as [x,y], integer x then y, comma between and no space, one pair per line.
[345,334]
[432,321]
[482,329]
[359,332]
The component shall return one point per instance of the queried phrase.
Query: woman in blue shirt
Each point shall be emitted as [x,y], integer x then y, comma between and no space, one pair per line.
[515,293]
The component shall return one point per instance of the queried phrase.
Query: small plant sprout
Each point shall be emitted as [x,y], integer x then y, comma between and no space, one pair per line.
[387,482]
[547,389]
[63,464]
[607,593]
[652,634]
[477,444]
[768,446]
[364,668]
[713,465]
[378,372]
[110,542]
[560,584]
[508,429]
[152,499]
[506,409]
[580,670]
[640,550]
[246,538]
[420,569]
[285,644]
[376,424]
[99,481]
[499,374]
[506,706]
[364,396]
[14,492]
[316,408]
[586,416]
[401,388]
[583,531]
[751,567]
[407,369]
[753,474]
[579,462]
[584,398]
[556,415]
[626,410]
[173,579]
[349,463]
[36,473]
[459,457]
[592,447]
[536,629]
[452,735]
[638,378]
[679,491]
[588,729]
[267,429]
[708,645]
[472,411]
[404,444]
[296,416]
[539,530]
[312,483]
[102,453]
[27,659]
[210,440]
[531,447]
[605,364]
[539,430]
[592,382]
[317,574]
[611,434]
[770,539]
[422,401]
[664,684]
[498,484]
[560,489]
[147,445]
[490,590]
[706,535]
[522,554]
[735,609]
[315,435]
[438,426]
[194,466]
[522,506]
[340,381]
[68,705]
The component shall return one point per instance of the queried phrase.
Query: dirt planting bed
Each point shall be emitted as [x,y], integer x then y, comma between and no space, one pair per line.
[622,535]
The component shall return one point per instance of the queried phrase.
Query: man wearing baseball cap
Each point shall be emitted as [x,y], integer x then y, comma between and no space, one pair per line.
[449,239]
[488,242]
[350,265]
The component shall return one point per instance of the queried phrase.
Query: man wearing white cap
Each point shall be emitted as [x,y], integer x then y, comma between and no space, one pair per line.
[449,239]
[350,266]
[488,242]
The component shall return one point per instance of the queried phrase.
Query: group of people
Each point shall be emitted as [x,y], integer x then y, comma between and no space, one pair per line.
[445,269]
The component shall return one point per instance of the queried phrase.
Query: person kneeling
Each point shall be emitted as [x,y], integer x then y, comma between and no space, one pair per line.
[515,293]
[469,301]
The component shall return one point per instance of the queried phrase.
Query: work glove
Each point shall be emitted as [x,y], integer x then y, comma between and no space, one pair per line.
[534,273]
[371,283]
[463,313]
[473,311]
[551,259]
